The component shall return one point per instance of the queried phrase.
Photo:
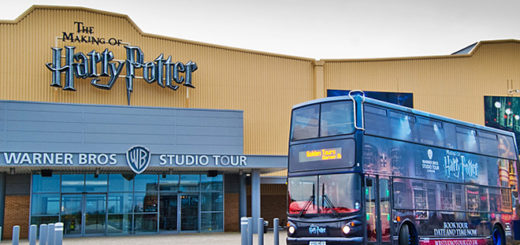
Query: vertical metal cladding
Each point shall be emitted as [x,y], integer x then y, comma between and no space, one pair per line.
[452,86]
[265,86]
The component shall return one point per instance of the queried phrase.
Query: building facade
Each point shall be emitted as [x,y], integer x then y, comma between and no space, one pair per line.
[114,131]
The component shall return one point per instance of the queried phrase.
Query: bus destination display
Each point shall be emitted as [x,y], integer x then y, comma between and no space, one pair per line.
[319,155]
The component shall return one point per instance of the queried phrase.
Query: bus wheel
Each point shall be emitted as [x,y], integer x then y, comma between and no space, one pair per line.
[407,235]
[498,236]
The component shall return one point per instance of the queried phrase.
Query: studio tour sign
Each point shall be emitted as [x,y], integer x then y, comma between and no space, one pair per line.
[164,71]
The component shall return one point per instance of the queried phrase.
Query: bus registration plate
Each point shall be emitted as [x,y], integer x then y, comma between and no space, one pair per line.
[317,243]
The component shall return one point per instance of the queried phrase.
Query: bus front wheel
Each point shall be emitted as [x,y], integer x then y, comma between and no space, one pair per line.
[407,235]
[498,236]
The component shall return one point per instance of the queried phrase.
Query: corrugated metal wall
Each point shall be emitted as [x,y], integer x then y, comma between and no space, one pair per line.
[452,86]
[264,86]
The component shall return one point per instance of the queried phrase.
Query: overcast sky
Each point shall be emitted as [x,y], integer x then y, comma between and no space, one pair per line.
[317,29]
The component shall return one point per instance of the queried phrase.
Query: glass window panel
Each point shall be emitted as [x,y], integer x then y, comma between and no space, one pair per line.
[145,202]
[146,182]
[305,122]
[93,184]
[212,221]
[45,204]
[494,200]
[466,139]
[45,184]
[472,200]
[376,121]
[120,202]
[446,191]
[402,126]
[431,131]
[38,220]
[212,201]
[483,199]
[506,200]
[121,182]
[458,190]
[145,223]
[190,182]
[402,194]
[336,118]
[488,143]
[169,183]
[72,183]
[211,183]
[119,223]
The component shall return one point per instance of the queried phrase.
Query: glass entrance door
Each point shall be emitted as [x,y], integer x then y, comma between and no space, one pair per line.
[72,214]
[83,214]
[95,213]
[168,212]
[189,212]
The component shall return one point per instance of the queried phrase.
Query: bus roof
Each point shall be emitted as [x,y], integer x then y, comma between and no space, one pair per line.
[408,110]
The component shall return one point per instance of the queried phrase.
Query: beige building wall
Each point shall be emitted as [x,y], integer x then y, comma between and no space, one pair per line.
[452,86]
[265,86]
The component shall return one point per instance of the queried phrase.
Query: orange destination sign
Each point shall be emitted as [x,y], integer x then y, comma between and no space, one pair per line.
[318,155]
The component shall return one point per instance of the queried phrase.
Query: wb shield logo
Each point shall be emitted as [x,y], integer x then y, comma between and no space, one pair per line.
[138,158]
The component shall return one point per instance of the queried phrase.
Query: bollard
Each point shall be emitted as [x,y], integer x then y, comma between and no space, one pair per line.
[243,230]
[249,231]
[43,234]
[58,231]
[50,234]
[32,234]
[275,231]
[260,231]
[16,234]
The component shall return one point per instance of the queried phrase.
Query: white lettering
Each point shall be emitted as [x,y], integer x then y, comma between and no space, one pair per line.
[48,158]
[204,160]
[68,159]
[12,158]
[37,158]
[217,158]
[243,160]
[162,160]
[58,158]
[25,158]
[82,159]
[113,159]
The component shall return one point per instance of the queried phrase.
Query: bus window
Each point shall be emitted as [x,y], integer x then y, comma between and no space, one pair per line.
[459,197]
[402,194]
[488,143]
[431,132]
[336,118]
[376,121]
[302,193]
[447,202]
[466,139]
[483,197]
[472,200]
[494,200]
[305,122]
[450,136]
[402,126]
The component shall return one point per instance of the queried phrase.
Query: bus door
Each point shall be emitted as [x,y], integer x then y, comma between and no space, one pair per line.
[377,206]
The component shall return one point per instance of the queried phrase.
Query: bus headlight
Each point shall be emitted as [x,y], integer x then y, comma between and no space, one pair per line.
[291,229]
[345,229]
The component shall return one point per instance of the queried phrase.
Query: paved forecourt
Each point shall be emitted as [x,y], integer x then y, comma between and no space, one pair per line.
[221,238]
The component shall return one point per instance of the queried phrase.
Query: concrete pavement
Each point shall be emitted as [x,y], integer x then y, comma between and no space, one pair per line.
[221,238]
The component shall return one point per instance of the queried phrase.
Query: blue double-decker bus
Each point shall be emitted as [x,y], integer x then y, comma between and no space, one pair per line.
[363,171]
